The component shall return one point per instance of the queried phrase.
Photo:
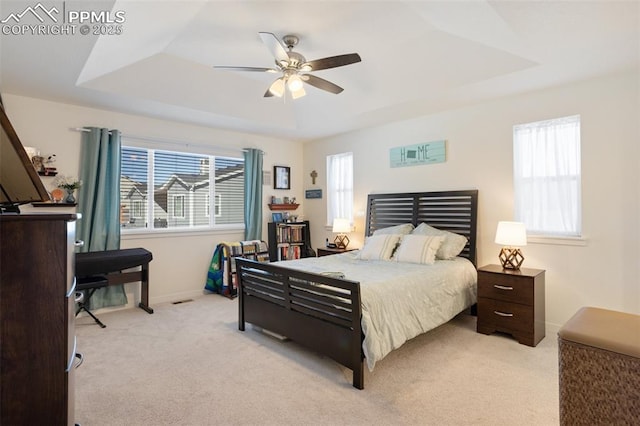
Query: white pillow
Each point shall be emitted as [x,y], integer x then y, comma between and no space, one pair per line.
[379,247]
[418,249]
[452,244]
[404,229]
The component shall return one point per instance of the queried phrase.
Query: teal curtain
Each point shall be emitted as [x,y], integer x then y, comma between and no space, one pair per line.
[252,194]
[99,203]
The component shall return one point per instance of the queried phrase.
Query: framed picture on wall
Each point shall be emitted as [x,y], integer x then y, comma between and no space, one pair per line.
[281,177]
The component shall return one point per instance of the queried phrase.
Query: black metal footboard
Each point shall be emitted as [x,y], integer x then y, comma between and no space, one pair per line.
[320,312]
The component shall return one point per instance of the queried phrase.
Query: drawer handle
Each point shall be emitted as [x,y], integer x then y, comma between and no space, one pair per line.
[80,359]
[502,287]
[502,314]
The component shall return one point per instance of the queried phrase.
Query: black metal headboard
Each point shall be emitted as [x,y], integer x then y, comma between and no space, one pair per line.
[454,211]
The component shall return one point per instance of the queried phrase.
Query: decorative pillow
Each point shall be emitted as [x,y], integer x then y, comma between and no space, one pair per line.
[404,229]
[452,244]
[379,247]
[418,248]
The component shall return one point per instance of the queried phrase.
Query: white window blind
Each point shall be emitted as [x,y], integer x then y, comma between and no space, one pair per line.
[340,187]
[547,176]
[181,192]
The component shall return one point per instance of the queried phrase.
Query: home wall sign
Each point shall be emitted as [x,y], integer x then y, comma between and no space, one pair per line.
[418,154]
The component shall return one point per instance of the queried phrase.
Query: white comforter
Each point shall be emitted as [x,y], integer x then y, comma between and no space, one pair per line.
[400,300]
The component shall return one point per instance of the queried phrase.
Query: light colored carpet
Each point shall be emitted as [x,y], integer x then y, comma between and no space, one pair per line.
[187,364]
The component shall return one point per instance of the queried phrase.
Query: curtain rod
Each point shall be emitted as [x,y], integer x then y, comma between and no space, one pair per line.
[171,142]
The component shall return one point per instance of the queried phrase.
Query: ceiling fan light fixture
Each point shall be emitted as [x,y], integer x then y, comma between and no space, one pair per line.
[277,87]
[295,83]
[295,94]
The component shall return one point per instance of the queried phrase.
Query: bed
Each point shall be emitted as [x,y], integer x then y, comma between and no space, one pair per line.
[325,304]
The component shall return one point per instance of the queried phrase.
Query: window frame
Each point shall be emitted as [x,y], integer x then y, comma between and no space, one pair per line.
[149,229]
[335,206]
[547,171]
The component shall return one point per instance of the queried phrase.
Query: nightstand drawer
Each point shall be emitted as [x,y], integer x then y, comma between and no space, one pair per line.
[508,288]
[495,315]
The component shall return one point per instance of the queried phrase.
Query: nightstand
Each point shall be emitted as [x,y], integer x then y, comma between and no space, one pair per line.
[512,301]
[326,251]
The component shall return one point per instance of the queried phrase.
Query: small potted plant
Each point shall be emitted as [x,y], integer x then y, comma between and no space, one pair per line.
[69,184]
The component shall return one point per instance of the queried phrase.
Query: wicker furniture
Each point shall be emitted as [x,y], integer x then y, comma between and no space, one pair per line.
[599,368]
[324,313]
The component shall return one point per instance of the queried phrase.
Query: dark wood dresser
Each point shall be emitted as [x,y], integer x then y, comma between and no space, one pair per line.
[512,301]
[37,338]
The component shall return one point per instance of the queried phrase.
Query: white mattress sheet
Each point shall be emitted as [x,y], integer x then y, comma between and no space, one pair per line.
[400,300]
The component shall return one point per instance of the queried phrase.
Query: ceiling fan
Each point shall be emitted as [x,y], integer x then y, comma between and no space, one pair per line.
[295,68]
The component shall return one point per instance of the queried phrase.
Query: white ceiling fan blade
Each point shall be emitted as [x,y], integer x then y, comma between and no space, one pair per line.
[253,69]
[274,46]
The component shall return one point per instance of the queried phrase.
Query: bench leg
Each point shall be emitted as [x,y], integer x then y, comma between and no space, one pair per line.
[144,290]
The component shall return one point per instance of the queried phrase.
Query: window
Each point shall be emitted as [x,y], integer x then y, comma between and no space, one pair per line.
[178,206]
[547,176]
[339,187]
[180,193]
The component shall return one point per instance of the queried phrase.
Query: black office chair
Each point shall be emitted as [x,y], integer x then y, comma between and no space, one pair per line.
[85,287]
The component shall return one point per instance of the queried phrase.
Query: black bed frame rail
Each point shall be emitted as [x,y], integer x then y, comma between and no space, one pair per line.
[454,211]
[291,302]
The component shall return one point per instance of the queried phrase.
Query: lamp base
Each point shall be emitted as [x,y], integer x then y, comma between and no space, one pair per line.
[342,241]
[511,258]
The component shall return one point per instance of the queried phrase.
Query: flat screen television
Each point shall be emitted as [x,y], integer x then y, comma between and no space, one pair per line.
[19,181]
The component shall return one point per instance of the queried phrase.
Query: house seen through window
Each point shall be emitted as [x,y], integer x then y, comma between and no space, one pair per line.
[167,189]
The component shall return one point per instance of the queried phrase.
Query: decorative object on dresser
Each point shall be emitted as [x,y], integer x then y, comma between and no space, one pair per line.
[341,227]
[512,235]
[69,184]
[38,344]
[512,301]
[327,251]
[289,240]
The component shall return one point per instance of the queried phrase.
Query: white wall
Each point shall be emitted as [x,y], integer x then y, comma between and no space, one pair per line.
[181,260]
[605,272]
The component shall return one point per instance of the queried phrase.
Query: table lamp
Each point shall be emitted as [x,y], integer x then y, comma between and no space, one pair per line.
[341,227]
[511,235]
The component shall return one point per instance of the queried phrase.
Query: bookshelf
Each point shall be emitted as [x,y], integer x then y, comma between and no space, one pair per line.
[288,240]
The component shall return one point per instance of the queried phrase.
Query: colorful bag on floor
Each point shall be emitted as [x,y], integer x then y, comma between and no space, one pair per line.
[215,276]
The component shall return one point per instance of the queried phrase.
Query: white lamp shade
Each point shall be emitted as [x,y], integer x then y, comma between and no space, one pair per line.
[295,83]
[341,226]
[277,88]
[512,234]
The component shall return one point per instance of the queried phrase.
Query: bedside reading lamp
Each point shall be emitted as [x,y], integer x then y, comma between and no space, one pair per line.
[341,227]
[511,235]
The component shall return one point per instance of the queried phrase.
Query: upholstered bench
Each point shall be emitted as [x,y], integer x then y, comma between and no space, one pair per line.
[599,368]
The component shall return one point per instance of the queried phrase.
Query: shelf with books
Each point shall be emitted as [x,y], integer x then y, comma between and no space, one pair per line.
[288,240]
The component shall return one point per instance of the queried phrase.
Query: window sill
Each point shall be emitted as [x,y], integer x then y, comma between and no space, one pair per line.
[555,240]
[180,232]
